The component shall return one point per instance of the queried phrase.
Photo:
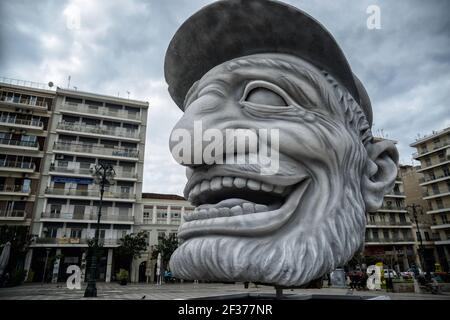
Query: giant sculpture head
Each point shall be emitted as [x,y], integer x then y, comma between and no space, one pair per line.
[263,64]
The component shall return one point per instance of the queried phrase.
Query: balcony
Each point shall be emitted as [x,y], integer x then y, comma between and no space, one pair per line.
[435,194]
[17,166]
[389,223]
[77,168]
[19,144]
[392,208]
[14,190]
[66,241]
[389,240]
[21,123]
[96,149]
[118,114]
[395,194]
[436,147]
[429,180]
[432,166]
[13,215]
[87,217]
[112,193]
[25,102]
[99,130]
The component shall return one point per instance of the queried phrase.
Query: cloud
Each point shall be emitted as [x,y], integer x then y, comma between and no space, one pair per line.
[115,47]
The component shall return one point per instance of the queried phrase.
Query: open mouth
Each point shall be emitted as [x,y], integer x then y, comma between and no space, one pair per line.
[240,206]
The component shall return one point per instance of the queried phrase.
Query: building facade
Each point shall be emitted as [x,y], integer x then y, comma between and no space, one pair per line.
[389,232]
[87,129]
[162,215]
[422,227]
[433,152]
[25,117]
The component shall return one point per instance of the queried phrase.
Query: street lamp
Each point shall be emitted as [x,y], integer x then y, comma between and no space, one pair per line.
[414,207]
[103,174]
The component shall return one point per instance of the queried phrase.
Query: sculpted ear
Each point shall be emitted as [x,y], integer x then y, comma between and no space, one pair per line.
[380,173]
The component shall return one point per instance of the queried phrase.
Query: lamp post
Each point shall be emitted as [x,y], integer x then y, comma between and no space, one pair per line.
[413,207]
[104,176]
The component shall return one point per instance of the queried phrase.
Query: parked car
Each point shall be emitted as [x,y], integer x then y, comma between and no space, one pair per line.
[408,274]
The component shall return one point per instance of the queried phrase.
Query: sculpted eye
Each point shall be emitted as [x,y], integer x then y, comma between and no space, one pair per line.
[265,96]
[263,93]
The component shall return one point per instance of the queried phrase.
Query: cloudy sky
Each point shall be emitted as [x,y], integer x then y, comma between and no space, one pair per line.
[115,46]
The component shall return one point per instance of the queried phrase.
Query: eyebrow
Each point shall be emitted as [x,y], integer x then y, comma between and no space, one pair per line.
[216,85]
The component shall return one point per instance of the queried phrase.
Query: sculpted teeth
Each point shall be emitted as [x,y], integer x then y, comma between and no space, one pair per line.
[208,211]
[217,183]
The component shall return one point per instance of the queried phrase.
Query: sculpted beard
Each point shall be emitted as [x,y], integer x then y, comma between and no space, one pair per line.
[325,231]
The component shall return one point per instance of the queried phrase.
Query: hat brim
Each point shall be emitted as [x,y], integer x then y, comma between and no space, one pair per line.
[229,29]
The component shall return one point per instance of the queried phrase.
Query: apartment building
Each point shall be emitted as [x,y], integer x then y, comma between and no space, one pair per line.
[162,215]
[389,233]
[433,152]
[422,228]
[25,118]
[87,129]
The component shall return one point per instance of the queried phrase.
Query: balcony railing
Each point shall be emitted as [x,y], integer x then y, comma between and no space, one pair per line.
[19,143]
[396,193]
[388,240]
[22,122]
[24,101]
[432,178]
[17,164]
[435,146]
[96,149]
[392,208]
[76,168]
[97,110]
[389,223]
[13,214]
[91,193]
[14,188]
[87,216]
[102,130]
[67,240]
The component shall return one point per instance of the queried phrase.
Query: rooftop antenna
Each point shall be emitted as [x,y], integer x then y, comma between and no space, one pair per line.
[128,94]
[68,83]
[50,84]
[76,88]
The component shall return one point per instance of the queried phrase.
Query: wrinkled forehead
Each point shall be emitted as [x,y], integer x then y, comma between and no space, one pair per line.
[269,67]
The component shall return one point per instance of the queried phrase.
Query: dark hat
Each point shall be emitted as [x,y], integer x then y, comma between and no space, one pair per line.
[229,29]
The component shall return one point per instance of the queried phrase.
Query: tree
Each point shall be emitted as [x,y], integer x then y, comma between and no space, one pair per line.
[131,247]
[166,246]
[20,240]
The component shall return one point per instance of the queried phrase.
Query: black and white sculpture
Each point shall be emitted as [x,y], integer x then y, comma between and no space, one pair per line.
[252,64]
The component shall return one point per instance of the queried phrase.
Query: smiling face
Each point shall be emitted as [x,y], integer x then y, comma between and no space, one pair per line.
[293,226]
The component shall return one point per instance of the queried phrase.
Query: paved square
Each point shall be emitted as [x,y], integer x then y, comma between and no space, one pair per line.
[114,291]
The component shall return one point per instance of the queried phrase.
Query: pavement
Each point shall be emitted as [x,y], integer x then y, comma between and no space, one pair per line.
[114,291]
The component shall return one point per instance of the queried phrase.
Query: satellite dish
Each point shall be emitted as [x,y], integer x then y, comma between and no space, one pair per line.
[50,84]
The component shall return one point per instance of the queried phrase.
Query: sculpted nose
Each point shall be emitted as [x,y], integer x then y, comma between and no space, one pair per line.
[186,139]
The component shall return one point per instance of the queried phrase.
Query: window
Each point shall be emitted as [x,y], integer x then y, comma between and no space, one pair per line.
[372,218]
[428,162]
[444,219]
[375,234]
[427,236]
[52,232]
[402,218]
[78,212]
[55,210]
[147,219]
[439,204]
[386,234]
[75,233]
